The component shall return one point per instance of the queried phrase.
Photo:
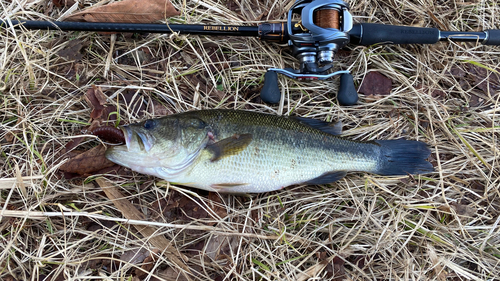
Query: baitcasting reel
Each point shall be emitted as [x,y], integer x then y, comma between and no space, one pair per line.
[322,30]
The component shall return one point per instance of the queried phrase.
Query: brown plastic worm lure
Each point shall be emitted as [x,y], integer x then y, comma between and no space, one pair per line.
[109,134]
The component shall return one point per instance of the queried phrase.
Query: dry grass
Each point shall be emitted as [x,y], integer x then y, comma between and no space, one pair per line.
[444,226]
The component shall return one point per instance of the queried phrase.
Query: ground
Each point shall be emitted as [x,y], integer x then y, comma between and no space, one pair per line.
[58,225]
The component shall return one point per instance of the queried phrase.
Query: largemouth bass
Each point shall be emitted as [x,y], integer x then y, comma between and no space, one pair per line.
[247,152]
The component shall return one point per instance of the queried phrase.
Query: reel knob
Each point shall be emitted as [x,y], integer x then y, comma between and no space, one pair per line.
[270,92]
[347,94]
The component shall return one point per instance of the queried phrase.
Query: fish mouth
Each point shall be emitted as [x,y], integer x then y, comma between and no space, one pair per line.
[137,146]
[144,141]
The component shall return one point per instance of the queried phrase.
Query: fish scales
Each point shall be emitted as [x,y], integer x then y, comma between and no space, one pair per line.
[283,152]
[244,152]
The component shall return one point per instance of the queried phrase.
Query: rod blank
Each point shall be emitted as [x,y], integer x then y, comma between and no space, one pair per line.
[199,29]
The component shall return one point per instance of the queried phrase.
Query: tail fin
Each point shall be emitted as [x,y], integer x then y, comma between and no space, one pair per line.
[401,157]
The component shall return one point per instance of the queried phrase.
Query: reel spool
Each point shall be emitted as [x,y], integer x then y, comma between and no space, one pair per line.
[322,30]
[327,18]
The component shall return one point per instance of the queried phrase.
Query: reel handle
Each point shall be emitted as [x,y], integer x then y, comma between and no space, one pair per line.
[270,93]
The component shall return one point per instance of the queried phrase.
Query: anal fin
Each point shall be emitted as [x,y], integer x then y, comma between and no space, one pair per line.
[327,178]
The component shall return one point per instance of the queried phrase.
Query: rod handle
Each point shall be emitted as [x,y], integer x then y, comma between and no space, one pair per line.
[372,33]
[493,37]
[270,92]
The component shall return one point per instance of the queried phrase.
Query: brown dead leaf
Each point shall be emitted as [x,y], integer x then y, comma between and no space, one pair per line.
[96,99]
[99,262]
[191,209]
[361,261]
[63,3]
[135,256]
[218,246]
[475,76]
[475,100]
[438,94]
[171,274]
[445,208]
[233,6]
[457,72]
[313,271]
[72,50]
[20,181]
[133,101]
[463,210]
[73,143]
[180,207]
[159,109]
[9,137]
[487,81]
[115,169]
[147,265]
[375,84]
[436,264]
[217,204]
[459,75]
[334,266]
[128,11]
[469,76]
[88,162]
[338,268]
[206,89]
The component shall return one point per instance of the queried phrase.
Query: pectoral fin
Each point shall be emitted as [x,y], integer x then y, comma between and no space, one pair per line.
[229,146]
[327,178]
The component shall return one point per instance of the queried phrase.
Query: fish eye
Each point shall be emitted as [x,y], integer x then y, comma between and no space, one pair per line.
[149,124]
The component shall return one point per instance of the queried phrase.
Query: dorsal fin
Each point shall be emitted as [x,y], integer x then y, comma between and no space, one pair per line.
[327,127]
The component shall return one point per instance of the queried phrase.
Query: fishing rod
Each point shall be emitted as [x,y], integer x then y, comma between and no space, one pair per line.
[315,30]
